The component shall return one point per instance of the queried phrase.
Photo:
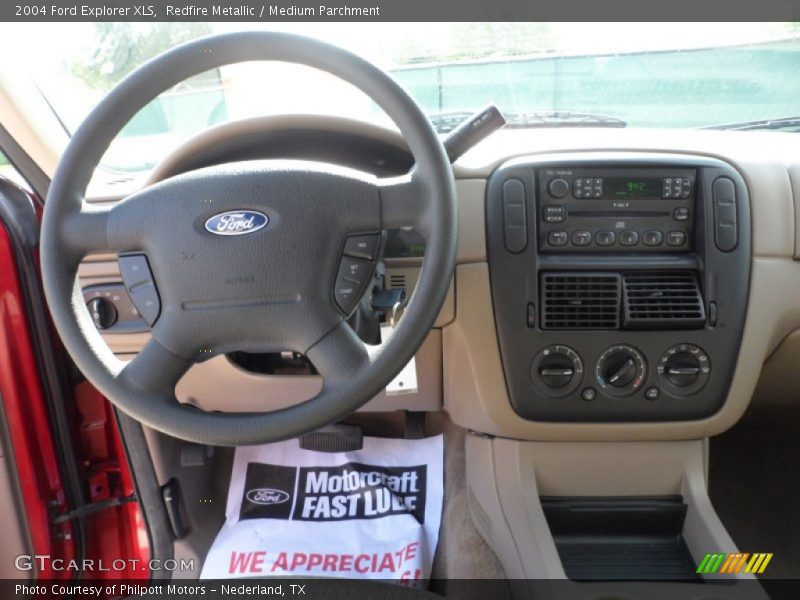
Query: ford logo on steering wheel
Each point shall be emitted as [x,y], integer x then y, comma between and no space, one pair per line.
[236,222]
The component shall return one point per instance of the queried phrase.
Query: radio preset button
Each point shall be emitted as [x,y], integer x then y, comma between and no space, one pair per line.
[558,188]
[628,238]
[605,238]
[676,238]
[652,238]
[557,238]
[582,237]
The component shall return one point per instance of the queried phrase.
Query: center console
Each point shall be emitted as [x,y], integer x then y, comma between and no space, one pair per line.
[619,284]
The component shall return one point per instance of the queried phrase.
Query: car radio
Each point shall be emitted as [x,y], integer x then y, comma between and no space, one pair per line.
[619,283]
[616,210]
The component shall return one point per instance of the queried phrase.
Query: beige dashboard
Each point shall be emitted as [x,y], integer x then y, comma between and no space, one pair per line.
[459,366]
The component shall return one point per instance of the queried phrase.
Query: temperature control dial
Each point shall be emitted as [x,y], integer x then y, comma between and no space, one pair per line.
[684,369]
[621,370]
[556,371]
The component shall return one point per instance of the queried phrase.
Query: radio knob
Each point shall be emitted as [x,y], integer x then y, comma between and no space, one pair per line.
[558,188]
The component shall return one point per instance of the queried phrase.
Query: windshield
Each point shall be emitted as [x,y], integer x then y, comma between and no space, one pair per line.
[661,75]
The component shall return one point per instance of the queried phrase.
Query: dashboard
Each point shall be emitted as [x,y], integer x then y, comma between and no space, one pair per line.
[619,283]
[610,284]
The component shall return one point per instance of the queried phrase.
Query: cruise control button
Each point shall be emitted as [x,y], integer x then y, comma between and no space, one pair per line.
[605,238]
[652,238]
[676,238]
[145,299]
[557,238]
[582,238]
[134,269]
[351,279]
[629,238]
[362,246]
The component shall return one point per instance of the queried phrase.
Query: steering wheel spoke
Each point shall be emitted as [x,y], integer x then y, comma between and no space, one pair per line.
[404,202]
[97,229]
[339,354]
[86,232]
[155,370]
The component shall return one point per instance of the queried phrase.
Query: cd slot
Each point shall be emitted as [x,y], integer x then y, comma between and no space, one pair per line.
[618,213]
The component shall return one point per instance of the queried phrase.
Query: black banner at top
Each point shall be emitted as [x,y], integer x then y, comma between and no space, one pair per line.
[401,10]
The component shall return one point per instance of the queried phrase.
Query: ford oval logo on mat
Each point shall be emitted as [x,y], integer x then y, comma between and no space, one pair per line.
[267,496]
[236,222]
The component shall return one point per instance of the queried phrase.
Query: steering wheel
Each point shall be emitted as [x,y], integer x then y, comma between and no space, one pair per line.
[268,283]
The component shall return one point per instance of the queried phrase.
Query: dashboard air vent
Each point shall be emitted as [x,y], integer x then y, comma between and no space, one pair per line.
[580,300]
[396,281]
[661,300]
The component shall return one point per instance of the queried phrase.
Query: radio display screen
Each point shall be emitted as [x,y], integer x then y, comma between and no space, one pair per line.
[628,187]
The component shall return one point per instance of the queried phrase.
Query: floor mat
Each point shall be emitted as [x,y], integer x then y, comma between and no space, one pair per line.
[373,514]
[754,483]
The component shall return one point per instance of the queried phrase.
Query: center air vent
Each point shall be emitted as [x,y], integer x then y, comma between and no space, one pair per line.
[661,300]
[580,300]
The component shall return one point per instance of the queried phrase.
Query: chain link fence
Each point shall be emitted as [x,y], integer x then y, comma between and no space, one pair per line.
[687,88]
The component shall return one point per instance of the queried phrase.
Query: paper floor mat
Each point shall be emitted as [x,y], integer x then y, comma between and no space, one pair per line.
[374,513]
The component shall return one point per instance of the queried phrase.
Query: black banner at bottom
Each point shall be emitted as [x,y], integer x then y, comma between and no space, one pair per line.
[467,589]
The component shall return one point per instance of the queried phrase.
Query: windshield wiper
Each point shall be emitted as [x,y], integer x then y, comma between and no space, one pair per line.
[445,122]
[782,123]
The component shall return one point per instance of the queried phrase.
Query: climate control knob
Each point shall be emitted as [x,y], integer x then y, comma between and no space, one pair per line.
[556,371]
[621,370]
[684,369]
